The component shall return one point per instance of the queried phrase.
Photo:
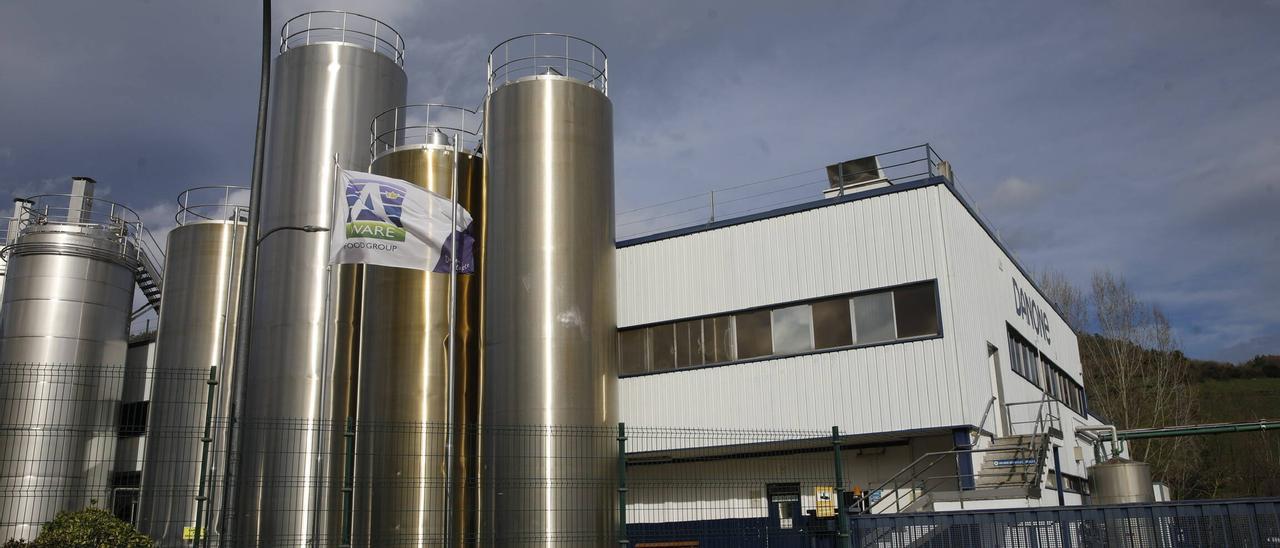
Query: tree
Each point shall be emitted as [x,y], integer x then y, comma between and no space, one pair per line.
[1134,373]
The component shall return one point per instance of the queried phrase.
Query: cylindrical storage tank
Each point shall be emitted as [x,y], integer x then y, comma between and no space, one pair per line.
[1120,481]
[336,71]
[63,339]
[196,333]
[403,421]
[549,322]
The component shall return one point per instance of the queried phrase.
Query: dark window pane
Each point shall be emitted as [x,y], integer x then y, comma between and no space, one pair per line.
[133,419]
[721,329]
[633,351]
[792,329]
[832,325]
[753,334]
[689,343]
[916,309]
[662,347]
[873,318]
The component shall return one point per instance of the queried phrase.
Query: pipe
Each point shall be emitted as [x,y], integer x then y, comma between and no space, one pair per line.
[1115,438]
[1198,430]
[249,261]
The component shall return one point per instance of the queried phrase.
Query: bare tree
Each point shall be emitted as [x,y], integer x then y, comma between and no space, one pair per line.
[1134,373]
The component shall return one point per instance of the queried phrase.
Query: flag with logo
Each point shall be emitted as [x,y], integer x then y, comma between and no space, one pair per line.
[389,222]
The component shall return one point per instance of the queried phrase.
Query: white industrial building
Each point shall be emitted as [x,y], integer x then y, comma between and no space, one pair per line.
[887,309]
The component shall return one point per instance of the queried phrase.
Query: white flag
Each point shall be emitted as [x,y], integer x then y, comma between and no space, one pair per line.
[389,222]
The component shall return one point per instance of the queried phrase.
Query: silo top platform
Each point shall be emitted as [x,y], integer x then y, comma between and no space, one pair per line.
[423,126]
[332,26]
[553,54]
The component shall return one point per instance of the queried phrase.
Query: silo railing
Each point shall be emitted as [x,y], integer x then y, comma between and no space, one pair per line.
[317,27]
[413,126]
[123,224]
[212,203]
[548,54]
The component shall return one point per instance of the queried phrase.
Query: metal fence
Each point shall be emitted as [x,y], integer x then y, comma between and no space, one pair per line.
[150,446]
[1251,523]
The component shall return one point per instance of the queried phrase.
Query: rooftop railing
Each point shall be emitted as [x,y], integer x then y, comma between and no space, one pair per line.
[420,125]
[548,54]
[212,203]
[317,27]
[122,223]
[894,167]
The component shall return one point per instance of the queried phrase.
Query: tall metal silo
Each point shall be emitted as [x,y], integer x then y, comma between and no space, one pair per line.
[549,321]
[335,72]
[9,234]
[63,338]
[196,334]
[403,421]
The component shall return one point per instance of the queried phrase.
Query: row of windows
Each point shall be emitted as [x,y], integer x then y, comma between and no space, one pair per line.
[1027,361]
[868,318]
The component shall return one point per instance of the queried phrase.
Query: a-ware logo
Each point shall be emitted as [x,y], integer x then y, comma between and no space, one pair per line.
[373,211]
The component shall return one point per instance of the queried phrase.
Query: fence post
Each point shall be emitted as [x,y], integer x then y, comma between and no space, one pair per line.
[842,515]
[622,485]
[205,440]
[348,479]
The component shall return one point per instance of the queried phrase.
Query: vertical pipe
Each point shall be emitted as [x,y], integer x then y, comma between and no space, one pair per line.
[842,517]
[249,261]
[451,370]
[622,485]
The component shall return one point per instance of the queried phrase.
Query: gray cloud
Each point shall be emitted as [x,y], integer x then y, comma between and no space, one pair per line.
[1137,136]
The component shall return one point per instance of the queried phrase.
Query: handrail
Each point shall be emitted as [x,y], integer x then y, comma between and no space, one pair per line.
[347,29]
[940,456]
[983,423]
[206,210]
[592,69]
[414,125]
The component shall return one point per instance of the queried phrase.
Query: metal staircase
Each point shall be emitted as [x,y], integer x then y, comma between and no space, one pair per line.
[149,280]
[1011,467]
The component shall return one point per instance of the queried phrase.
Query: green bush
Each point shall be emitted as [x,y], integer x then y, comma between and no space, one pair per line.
[88,528]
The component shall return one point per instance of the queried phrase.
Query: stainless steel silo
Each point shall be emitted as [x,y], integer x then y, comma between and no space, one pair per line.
[403,421]
[336,71]
[549,322]
[196,333]
[63,339]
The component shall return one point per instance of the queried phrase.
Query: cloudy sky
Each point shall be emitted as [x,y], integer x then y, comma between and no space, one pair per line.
[1140,137]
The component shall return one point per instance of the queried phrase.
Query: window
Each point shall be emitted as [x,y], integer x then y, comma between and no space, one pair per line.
[689,351]
[718,338]
[1028,362]
[633,351]
[1024,359]
[662,347]
[792,329]
[832,324]
[133,419]
[916,309]
[873,318]
[753,334]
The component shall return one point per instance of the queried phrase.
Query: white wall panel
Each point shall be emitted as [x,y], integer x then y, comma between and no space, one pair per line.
[848,247]
[918,234]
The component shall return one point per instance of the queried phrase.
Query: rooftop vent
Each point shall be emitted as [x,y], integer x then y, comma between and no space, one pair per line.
[855,175]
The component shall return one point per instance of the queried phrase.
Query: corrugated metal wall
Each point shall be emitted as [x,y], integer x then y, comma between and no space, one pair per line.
[854,246]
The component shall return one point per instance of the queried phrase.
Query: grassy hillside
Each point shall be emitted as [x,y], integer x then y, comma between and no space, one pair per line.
[1245,464]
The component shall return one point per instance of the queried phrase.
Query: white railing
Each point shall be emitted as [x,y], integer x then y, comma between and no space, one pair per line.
[317,27]
[548,53]
[417,125]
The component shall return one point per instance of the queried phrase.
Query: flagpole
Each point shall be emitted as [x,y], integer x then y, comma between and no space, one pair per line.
[451,416]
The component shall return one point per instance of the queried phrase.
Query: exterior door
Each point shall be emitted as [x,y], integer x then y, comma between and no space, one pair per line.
[999,422]
[786,518]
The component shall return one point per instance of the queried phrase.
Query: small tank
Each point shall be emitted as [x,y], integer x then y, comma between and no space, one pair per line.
[1120,481]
